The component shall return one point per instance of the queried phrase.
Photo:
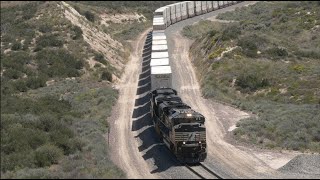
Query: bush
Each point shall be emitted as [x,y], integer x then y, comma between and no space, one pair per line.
[106,75]
[12,74]
[45,28]
[251,82]
[16,46]
[58,63]
[248,46]
[100,58]
[78,32]
[276,53]
[20,85]
[48,41]
[47,155]
[36,82]
[89,15]
[231,32]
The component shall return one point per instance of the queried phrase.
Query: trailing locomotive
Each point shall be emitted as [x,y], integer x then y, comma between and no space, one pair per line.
[181,128]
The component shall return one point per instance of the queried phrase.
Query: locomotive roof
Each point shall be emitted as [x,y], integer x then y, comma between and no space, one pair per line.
[166,91]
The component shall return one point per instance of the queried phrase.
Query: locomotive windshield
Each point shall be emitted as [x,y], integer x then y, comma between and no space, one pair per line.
[194,127]
[177,121]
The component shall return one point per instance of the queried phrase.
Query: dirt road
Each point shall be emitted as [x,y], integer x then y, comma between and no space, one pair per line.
[134,144]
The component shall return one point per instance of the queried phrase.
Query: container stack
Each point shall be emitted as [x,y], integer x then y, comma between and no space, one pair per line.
[215,5]
[173,13]
[204,7]
[191,7]
[156,43]
[178,11]
[198,8]
[184,10]
[209,6]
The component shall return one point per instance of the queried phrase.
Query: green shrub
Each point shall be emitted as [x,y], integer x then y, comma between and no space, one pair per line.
[20,85]
[45,28]
[78,32]
[248,45]
[89,15]
[48,41]
[100,58]
[12,73]
[16,46]
[276,52]
[231,32]
[58,63]
[251,82]
[36,82]
[106,75]
[47,155]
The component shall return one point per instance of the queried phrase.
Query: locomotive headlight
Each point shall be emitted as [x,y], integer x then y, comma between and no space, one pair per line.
[189,115]
[184,142]
[199,142]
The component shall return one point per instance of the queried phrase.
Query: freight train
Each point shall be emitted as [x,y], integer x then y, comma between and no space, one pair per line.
[181,128]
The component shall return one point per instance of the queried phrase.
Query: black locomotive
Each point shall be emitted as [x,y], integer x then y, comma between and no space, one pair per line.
[181,128]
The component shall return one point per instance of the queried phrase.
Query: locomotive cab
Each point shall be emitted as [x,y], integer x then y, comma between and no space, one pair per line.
[181,128]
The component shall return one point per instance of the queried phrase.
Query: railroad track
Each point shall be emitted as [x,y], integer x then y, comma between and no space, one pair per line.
[203,172]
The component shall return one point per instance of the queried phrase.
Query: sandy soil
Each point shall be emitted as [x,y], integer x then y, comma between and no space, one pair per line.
[119,18]
[124,145]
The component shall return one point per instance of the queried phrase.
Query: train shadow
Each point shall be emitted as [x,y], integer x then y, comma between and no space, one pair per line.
[151,146]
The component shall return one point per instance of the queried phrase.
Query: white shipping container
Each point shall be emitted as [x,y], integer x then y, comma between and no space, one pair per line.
[184,15]
[159,26]
[157,20]
[178,16]
[159,11]
[168,18]
[161,76]
[159,37]
[172,13]
[225,3]
[198,10]
[209,6]
[190,4]
[215,5]
[160,62]
[159,48]
[178,7]
[158,32]
[204,7]
[159,42]
[159,55]
[184,6]
[190,7]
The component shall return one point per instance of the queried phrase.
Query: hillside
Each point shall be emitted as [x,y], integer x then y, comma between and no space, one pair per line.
[264,58]
[58,69]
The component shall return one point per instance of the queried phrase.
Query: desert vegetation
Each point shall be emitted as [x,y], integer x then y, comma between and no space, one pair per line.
[54,105]
[265,61]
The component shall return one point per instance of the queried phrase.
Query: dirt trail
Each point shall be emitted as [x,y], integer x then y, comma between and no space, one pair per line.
[124,146]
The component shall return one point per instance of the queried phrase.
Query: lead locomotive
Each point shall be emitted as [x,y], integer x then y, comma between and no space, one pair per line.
[181,128]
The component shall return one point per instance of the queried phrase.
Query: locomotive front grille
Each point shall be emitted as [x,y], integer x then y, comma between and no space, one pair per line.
[190,136]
